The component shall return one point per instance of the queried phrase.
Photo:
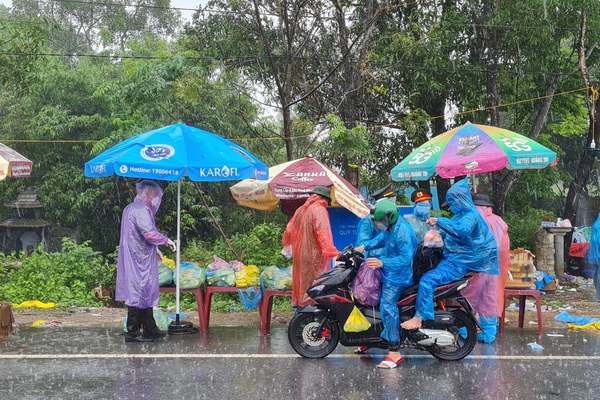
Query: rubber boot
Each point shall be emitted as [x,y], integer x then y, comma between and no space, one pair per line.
[134,323]
[489,326]
[151,330]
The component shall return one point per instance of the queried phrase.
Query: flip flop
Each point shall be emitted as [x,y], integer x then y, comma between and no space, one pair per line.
[389,363]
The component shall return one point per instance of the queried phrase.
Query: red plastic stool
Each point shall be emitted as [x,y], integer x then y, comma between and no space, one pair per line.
[265,309]
[210,290]
[199,293]
[522,294]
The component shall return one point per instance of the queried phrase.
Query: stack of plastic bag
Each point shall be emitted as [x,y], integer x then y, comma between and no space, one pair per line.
[276,278]
[236,265]
[191,275]
[248,276]
[165,275]
[218,263]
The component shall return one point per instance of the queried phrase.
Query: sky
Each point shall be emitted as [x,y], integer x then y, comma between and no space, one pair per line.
[186,15]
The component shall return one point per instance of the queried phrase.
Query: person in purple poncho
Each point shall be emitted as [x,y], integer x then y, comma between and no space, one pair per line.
[137,267]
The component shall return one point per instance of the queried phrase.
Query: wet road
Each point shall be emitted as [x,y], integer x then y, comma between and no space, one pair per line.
[235,363]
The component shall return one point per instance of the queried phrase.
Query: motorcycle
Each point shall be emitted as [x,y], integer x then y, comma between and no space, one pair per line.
[316,330]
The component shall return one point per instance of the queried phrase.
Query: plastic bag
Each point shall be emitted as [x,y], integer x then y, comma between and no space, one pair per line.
[433,239]
[168,262]
[165,275]
[366,287]
[191,275]
[250,297]
[35,304]
[236,265]
[249,275]
[218,263]
[276,278]
[223,277]
[356,322]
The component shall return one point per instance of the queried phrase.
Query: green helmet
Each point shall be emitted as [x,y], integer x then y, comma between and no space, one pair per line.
[386,212]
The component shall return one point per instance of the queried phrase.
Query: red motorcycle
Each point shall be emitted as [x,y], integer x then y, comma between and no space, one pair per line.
[315,331]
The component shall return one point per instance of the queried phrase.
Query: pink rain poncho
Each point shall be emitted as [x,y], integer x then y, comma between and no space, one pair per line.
[309,235]
[137,267]
[486,292]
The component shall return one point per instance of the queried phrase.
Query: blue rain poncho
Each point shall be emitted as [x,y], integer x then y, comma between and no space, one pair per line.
[593,255]
[366,231]
[398,249]
[468,241]
[418,219]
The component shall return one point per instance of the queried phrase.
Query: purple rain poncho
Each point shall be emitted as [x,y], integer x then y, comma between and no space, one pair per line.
[137,268]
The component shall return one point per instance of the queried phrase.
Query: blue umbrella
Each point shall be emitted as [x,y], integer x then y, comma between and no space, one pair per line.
[172,153]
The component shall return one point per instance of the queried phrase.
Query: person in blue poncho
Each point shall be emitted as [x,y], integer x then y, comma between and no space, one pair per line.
[593,254]
[366,229]
[422,212]
[399,243]
[469,246]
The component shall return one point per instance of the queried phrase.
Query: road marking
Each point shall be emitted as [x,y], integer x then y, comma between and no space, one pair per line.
[167,356]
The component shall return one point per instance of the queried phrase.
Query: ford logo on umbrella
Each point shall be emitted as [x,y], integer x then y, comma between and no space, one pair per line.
[157,152]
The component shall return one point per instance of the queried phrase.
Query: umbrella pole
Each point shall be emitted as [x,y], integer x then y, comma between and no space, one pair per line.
[178,327]
[178,251]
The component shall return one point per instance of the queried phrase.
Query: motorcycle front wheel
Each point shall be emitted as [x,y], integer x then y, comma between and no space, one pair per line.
[463,345]
[304,339]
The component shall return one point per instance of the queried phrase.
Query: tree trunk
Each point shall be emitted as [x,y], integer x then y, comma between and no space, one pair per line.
[584,168]
[287,133]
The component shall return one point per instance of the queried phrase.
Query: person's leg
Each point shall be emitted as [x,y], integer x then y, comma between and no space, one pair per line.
[390,316]
[488,309]
[134,322]
[151,330]
[442,274]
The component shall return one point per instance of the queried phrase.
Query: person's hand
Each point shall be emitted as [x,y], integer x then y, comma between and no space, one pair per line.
[287,252]
[360,249]
[374,263]
[171,245]
[432,221]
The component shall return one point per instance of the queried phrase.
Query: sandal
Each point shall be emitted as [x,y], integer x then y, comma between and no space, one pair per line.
[389,363]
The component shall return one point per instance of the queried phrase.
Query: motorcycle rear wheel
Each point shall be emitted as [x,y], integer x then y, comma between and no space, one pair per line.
[302,335]
[464,346]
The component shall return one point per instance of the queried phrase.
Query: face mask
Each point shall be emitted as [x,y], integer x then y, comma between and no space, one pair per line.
[422,210]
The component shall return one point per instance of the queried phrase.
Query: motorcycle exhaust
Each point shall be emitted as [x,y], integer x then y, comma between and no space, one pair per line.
[437,337]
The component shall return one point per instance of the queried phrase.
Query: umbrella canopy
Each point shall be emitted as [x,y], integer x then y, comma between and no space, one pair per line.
[13,164]
[175,151]
[472,149]
[171,153]
[291,181]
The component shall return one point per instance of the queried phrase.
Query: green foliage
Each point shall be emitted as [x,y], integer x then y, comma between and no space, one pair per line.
[66,277]
[260,246]
[522,226]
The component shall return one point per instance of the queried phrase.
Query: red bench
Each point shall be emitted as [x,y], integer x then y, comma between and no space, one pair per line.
[199,293]
[522,295]
[265,308]
[210,290]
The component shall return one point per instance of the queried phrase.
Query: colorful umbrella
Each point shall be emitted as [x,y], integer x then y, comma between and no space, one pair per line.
[291,181]
[472,149]
[172,153]
[13,164]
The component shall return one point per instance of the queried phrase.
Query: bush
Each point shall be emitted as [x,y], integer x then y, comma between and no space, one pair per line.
[522,226]
[67,277]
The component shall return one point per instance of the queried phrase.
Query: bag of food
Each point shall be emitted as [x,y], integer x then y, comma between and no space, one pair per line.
[276,278]
[224,277]
[366,287]
[165,275]
[356,322]
[218,263]
[237,265]
[433,239]
[191,275]
[249,275]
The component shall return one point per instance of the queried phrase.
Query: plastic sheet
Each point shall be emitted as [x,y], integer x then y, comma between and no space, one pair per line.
[276,278]
[593,255]
[366,287]
[250,297]
[191,275]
